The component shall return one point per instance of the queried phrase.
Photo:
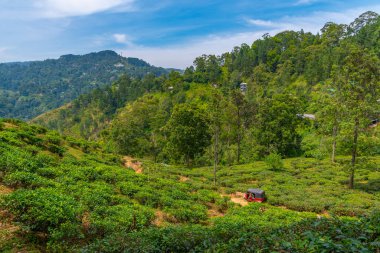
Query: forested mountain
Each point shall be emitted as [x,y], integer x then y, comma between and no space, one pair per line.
[28,89]
[287,76]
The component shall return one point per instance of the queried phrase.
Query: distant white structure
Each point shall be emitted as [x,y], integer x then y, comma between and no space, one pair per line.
[243,87]
[119,65]
[306,116]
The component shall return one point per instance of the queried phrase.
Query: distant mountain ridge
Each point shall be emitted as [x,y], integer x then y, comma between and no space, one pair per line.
[28,89]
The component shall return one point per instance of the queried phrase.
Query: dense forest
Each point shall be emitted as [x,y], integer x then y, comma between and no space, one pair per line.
[90,113]
[161,163]
[28,89]
[289,95]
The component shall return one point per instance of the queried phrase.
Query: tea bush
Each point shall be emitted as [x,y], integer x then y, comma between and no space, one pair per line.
[26,180]
[87,202]
[42,209]
[301,235]
[274,161]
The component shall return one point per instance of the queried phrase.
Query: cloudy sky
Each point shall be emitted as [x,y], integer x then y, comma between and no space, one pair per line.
[168,33]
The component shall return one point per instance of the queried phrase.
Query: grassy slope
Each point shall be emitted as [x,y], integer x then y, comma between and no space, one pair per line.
[102,200]
[304,184]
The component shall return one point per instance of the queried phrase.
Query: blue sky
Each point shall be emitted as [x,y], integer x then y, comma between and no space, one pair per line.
[165,33]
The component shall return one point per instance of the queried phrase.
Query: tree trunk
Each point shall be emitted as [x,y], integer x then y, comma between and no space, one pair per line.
[239,136]
[354,154]
[335,132]
[216,152]
[188,160]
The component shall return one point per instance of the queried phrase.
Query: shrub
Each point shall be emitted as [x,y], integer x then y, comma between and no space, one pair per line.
[59,150]
[120,218]
[49,172]
[53,138]
[26,180]
[223,203]
[148,197]
[184,211]
[274,161]
[206,196]
[42,209]
[129,188]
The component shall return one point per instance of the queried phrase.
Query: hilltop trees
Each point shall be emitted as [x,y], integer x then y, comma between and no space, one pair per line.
[332,75]
[32,88]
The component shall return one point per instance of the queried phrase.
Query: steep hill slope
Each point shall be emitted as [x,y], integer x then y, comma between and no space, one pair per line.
[87,115]
[28,89]
[290,63]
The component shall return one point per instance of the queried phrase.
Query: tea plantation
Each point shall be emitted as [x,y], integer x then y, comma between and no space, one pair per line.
[65,195]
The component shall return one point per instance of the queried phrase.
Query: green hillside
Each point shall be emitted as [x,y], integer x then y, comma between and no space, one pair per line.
[293,72]
[87,115]
[171,157]
[61,194]
[28,89]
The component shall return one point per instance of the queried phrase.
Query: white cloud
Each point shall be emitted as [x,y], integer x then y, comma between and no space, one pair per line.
[259,22]
[67,8]
[3,49]
[122,38]
[182,56]
[312,22]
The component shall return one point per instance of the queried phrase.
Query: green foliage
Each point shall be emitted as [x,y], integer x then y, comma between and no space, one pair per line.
[78,197]
[87,115]
[278,123]
[137,129]
[185,211]
[288,75]
[307,235]
[42,209]
[274,161]
[32,88]
[121,218]
[26,180]
[302,184]
[188,131]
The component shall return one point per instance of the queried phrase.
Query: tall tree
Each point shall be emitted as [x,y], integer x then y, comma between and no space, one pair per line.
[330,113]
[359,84]
[239,103]
[277,124]
[216,120]
[188,129]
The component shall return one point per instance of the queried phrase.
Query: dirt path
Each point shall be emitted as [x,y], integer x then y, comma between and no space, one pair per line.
[160,218]
[183,178]
[214,211]
[132,163]
[238,198]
